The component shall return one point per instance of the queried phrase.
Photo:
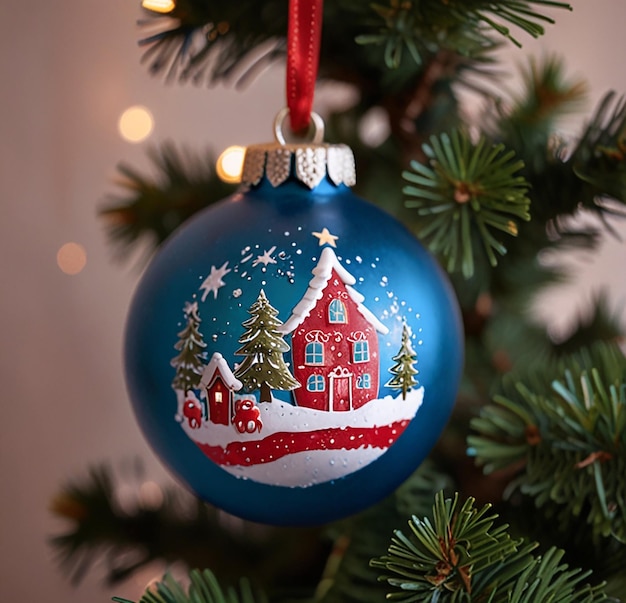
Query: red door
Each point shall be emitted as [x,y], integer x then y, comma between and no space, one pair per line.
[219,404]
[340,390]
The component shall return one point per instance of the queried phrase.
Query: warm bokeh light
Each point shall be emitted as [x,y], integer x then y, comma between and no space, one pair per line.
[159,6]
[150,495]
[71,258]
[136,124]
[229,164]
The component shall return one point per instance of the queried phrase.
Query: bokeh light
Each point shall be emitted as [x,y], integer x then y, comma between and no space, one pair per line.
[150,495]
[136,124]
[159,6]
[229,164]
[71,258]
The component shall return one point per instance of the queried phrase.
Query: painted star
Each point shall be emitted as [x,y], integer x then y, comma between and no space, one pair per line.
[214,281]
[326,237]
[266,258]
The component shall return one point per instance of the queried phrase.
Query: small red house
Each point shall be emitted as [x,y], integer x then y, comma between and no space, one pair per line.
[334,341]
[219,386]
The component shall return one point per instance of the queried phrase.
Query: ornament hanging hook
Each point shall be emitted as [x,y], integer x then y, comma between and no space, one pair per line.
[313,135]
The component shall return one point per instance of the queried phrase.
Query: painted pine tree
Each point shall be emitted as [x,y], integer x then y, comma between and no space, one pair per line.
[190,361]
[404,370]
[263,346]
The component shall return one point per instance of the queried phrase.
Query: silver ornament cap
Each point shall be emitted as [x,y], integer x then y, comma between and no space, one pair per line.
[308,162]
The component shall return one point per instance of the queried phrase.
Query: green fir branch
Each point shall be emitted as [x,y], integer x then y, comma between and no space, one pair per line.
[519,14]
[174,527]
[565,178]
[460,554]
[464,197]
[397,35]
[548,580]
[153,206]
[445,554]
[566,437]
[91,509]
[605,558]
[348,577]
[599,160]
[527,121]
[203,588]
[463,26]
[201,41]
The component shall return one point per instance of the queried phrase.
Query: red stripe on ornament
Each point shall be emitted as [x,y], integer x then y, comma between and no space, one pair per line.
[281,444]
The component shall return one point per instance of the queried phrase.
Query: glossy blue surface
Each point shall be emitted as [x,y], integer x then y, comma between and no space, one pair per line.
[398,279]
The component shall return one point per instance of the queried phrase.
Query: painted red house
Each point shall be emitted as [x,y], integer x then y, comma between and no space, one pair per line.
[334,341]
[219,386]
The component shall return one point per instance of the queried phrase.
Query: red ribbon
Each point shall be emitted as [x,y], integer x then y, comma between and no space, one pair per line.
[303,51]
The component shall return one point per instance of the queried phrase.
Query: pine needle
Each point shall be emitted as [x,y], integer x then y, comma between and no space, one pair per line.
[568,434]
[203,588]
[465,193]
[461,554]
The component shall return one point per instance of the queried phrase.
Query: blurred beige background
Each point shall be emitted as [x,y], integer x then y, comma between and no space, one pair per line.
[68,71]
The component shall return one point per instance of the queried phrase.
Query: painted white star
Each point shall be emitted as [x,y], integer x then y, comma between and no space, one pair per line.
[266,258]
[214,281]
[326,237]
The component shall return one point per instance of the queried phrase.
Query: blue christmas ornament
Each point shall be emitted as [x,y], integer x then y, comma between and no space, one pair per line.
[293,352]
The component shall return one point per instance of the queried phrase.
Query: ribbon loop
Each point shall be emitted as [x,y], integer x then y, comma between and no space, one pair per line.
[303,49]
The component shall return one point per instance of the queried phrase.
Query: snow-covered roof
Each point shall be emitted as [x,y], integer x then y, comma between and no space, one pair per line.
[218,362]
[321,275]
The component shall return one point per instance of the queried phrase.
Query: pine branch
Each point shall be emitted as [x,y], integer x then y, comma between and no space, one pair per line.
[500,335]
[527,121]
[348,577]
[568,436]
[199,41]
[547,580]
[203,588]
[447,553]
[176,528]
[463,26]
[466,192]
[91,509]
[599,160]
[517,13]
[207,41]
[605,558]
[154,206]
[565,178]
[527,125]
[461,554]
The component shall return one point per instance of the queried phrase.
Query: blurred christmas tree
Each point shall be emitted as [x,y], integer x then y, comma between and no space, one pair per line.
[524,499]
